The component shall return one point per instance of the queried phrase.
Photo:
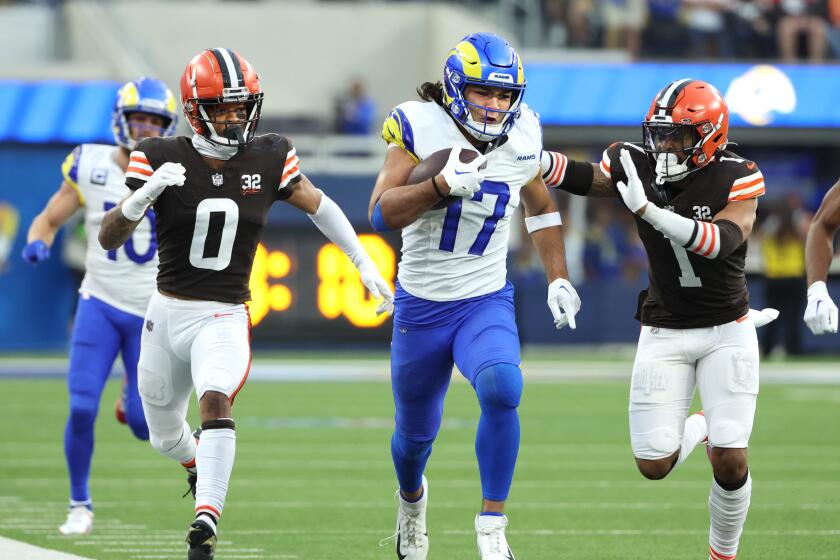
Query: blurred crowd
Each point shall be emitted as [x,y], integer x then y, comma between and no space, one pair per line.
[702,29]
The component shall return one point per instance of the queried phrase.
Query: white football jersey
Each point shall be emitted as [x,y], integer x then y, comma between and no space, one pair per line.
[126,277]
[460,252]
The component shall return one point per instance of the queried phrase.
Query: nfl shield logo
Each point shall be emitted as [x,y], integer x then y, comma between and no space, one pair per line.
[149,325]
[218,179]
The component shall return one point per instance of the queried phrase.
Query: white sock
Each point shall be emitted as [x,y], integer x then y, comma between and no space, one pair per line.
[728,512]
[413,507]
[695,431]
[214,461]
[209,519]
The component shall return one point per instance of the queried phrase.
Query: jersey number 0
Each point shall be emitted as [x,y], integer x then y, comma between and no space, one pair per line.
[214,210]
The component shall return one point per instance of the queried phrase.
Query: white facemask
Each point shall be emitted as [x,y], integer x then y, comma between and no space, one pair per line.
[483,132]
[669,169]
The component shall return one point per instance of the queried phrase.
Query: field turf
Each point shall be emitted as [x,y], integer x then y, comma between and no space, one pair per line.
[313,478]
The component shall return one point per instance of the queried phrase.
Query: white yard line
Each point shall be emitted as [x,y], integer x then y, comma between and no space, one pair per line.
[21,551]
[541,370]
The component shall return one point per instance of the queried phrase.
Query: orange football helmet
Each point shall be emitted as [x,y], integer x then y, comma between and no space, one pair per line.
[686,125]
[216,76]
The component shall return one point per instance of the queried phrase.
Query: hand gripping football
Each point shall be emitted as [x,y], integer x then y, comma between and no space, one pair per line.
[433,165]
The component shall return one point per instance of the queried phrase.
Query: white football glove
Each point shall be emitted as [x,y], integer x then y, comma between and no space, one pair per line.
[463,179]
[632,193]
[377,286]
[168,174]
[564,303]
[821,313]
[761,317]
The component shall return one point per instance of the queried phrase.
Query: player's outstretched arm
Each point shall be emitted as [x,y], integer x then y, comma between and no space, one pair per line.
[819,244]
[821,311]
[714,240]
[331,221]
[576,177]
[44,227]
[542,220]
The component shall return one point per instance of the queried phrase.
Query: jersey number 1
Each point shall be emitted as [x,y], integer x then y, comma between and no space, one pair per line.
[214,214]
[687,277]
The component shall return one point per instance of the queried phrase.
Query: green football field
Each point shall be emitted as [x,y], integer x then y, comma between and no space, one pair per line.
[313,478]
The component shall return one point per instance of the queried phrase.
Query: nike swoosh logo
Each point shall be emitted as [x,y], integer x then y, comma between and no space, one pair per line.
[400,555]
[461,172]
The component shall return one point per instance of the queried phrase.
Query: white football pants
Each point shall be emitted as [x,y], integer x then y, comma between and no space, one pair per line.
[189,344]
[721,361]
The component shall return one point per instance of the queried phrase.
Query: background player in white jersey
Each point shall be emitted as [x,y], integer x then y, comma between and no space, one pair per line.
[212,195]
[453,301]
[694,203]
[821,313]
[117,283]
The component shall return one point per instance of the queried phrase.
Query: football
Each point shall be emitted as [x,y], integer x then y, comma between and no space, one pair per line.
[433,165]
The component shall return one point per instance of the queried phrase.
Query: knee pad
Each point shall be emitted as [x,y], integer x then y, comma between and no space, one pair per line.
[410,448]
[656,444]
[82,417]
[164,443]
[729,433]
[154,376]
[665,441]
[499,386]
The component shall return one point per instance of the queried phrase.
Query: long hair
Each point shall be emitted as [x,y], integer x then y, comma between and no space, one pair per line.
[431,91]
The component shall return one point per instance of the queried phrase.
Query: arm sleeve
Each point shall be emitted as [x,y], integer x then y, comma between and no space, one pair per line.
[560,172]
[335,226]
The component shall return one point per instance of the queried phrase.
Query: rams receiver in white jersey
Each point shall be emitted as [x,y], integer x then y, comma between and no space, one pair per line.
[454,304]
[117,284]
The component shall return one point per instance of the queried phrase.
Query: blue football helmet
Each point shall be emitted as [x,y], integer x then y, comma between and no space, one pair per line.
[487,60]
[144,95]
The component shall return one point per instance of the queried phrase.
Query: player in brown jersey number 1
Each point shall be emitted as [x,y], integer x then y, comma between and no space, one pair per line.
[211,196]
[694,204]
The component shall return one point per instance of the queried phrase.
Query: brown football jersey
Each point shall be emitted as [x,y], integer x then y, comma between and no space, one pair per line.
[208,228]
[688,290]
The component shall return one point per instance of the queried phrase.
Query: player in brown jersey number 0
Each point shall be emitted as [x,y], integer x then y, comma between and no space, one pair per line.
[211,195]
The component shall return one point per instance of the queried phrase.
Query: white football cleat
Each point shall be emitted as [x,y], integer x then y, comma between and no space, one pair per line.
[412,535]
[79,522]
[492,544]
